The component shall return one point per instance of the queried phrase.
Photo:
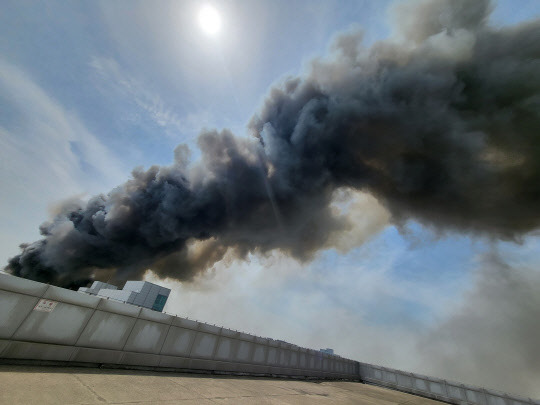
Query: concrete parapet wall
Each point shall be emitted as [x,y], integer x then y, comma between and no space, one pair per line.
[84,329]
[88,329]
[435,388]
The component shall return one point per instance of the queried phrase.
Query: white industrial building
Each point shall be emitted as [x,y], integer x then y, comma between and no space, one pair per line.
[141,293]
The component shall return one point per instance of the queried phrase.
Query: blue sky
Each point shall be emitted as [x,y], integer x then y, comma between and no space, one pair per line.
[89,90]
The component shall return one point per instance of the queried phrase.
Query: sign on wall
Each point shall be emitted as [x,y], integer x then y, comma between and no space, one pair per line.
[45,305]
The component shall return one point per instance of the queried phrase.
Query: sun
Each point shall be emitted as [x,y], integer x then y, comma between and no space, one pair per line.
[209,20]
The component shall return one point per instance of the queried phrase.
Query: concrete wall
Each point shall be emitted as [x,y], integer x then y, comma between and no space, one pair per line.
[82,328]
[88,329]
[436,388]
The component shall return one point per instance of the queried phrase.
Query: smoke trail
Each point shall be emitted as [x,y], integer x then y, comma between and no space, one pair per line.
[439,123]
[491,339]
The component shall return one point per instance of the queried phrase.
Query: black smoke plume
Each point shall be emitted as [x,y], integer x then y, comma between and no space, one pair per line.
[440,123]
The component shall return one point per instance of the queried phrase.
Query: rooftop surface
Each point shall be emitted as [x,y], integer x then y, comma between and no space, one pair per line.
[71,385]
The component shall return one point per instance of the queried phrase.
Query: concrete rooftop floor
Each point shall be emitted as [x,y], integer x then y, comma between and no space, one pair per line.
[71,385]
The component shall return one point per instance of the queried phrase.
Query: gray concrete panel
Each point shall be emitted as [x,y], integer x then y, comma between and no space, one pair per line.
[37,351]
[275,370]
[283,358]
[366,370]
[332,366]
[436,388]
[325,365]
[203,364]
[245,336]
[174,362]
[293,362]
[61,326]
[106,330]
[14,307]
[22,285]
[226,366]
[204,345]
[259,354]
[226,348]
[244,351]
[251,368]
[178,342]
[118,308]
[3,345]
[71,297]
[229,332]
[312,373]
[318,361]
[494,398]
[311,362]
[272,356]
[260,369]
[146,337]
[287,371]
[155,316]
[100,356]
[389,377]
[273,343]
[421,384]
[204,327]
[522,402]
[404,380]
[140,359]
[476,397]
[455,392]
[294,372]
[302,360]
[242,368]
[185,323]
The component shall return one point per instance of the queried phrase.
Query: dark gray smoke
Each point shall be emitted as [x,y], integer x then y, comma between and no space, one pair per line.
[441,123]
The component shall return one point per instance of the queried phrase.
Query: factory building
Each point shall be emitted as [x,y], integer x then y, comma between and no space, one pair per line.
[140,293]
[96,286]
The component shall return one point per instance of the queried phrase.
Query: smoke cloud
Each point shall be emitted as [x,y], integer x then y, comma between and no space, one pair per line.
[440,123]
[492,338]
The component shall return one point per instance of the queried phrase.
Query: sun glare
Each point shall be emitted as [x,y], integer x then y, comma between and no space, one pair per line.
[209,20]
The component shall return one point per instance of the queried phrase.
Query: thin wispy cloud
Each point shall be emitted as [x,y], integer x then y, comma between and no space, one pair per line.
[47,154]
[150,105]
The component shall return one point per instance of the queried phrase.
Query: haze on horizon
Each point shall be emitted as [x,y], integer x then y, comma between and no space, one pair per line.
[356,175]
